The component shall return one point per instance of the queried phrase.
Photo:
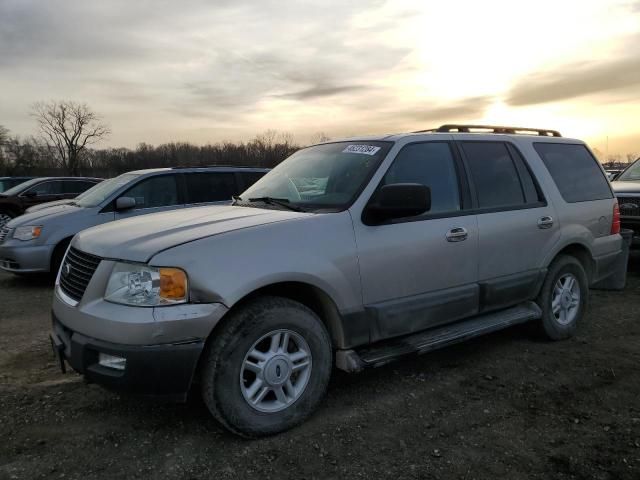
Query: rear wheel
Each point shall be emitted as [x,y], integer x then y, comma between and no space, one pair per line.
[563,298]
[267,368]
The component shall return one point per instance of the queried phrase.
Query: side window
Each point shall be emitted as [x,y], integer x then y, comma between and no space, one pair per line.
[76,186]
[494,174]
[210,187]
[430,164]
[575,171]
[532,192]
[249,178]
[160,191]
[47,188]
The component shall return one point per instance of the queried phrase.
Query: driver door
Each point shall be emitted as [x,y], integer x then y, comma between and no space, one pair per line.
[422,271]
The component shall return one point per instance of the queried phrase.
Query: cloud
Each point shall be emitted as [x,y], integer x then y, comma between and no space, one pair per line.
[319,91]
[576,80]
[461,110]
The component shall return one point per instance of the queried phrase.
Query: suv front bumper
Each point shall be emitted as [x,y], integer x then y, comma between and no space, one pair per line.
[161,345]
[632,223]
[158,370]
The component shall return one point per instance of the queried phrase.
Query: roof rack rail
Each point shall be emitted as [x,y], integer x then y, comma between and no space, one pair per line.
[543,132]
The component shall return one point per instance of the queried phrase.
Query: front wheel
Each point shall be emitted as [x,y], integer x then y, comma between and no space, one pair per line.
[563,298]
[267,368]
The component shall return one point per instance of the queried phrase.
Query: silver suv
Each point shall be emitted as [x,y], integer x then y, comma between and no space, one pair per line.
[37,241]
[349,253]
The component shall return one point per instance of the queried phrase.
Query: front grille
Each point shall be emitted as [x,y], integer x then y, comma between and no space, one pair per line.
[76,272]
[629,206]
[4,233]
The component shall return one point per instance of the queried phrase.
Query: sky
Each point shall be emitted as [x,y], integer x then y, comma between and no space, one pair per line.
[205,71]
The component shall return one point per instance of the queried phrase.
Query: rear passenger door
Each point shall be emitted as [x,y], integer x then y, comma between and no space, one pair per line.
[152,195]
[209,188]
[516,224]
[422,271]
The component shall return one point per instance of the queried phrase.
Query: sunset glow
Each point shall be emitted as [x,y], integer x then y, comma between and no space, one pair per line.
[205,71]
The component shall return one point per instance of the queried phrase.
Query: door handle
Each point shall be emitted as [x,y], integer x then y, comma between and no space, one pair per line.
[457,234]
[545,222]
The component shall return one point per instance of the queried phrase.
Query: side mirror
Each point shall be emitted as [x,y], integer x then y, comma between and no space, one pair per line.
[125,203]
[400,200]
[31,194]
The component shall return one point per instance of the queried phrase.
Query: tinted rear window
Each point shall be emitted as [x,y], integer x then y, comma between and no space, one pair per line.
[210,187]
[575,171]
[494,175]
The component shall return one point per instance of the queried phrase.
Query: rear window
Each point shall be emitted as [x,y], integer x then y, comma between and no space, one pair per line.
[575,171]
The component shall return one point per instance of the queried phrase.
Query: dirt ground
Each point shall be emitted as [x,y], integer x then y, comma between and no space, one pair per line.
[509,405]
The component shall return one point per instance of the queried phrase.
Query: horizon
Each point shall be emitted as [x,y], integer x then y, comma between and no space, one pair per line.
[159,73]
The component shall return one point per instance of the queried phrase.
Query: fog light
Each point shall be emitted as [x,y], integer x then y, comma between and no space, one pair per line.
[111,361]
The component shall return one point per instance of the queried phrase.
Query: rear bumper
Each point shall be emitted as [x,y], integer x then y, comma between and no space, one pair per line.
[158,370]
[25,259]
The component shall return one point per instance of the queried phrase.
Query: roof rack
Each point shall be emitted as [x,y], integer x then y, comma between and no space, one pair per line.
[543,132]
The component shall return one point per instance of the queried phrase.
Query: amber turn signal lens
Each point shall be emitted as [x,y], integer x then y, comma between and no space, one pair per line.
[173,284]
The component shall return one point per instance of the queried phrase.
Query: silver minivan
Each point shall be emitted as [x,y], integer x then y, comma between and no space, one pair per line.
[349,253]
[36,242]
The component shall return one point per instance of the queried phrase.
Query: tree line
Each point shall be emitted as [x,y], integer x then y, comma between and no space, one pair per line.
[68,132]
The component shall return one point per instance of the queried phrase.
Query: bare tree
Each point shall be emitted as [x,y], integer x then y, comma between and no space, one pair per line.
[4,135]
[631,157]
[319,137]
[68,128]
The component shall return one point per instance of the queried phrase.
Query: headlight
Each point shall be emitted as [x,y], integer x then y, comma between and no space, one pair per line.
[145,286]
[27,233]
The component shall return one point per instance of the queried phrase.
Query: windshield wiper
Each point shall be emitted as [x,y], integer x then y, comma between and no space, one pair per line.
[282,202]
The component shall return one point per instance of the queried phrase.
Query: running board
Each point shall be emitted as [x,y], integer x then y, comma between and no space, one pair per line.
[435,338]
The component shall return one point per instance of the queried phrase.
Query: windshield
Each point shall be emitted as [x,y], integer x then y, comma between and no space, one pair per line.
[631,174]
[18,189]
[103,190]
[327,176]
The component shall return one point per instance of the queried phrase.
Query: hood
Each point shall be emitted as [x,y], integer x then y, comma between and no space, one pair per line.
[138,239]
[48,214]
[42,206]
[626,187]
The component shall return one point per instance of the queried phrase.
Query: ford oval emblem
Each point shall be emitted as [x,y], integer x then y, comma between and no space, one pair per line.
[629,206]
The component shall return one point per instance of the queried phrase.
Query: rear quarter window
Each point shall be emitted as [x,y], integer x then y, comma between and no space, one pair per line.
[575,171]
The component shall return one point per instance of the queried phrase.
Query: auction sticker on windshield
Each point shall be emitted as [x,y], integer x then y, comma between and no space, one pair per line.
[363,149]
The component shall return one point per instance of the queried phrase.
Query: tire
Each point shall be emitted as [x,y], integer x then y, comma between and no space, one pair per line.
[57,257]
[560,319]
[232,377]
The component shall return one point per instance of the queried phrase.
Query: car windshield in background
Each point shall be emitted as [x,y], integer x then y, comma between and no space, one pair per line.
[631,174]
[18,189]
[98,194]
[327,176]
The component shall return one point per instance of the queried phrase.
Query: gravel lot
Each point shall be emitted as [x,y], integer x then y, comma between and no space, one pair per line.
[507,405]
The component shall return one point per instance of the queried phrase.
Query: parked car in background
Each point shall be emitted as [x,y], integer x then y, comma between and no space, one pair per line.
[627,188]
[350,253]
[36,242]
[612,173]
[9,182]
[16,200]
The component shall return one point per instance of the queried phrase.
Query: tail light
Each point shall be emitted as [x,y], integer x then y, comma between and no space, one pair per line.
[615,224]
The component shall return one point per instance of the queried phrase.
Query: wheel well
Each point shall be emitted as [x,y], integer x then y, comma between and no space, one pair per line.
[61,247]
[310,296]
[583,255]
